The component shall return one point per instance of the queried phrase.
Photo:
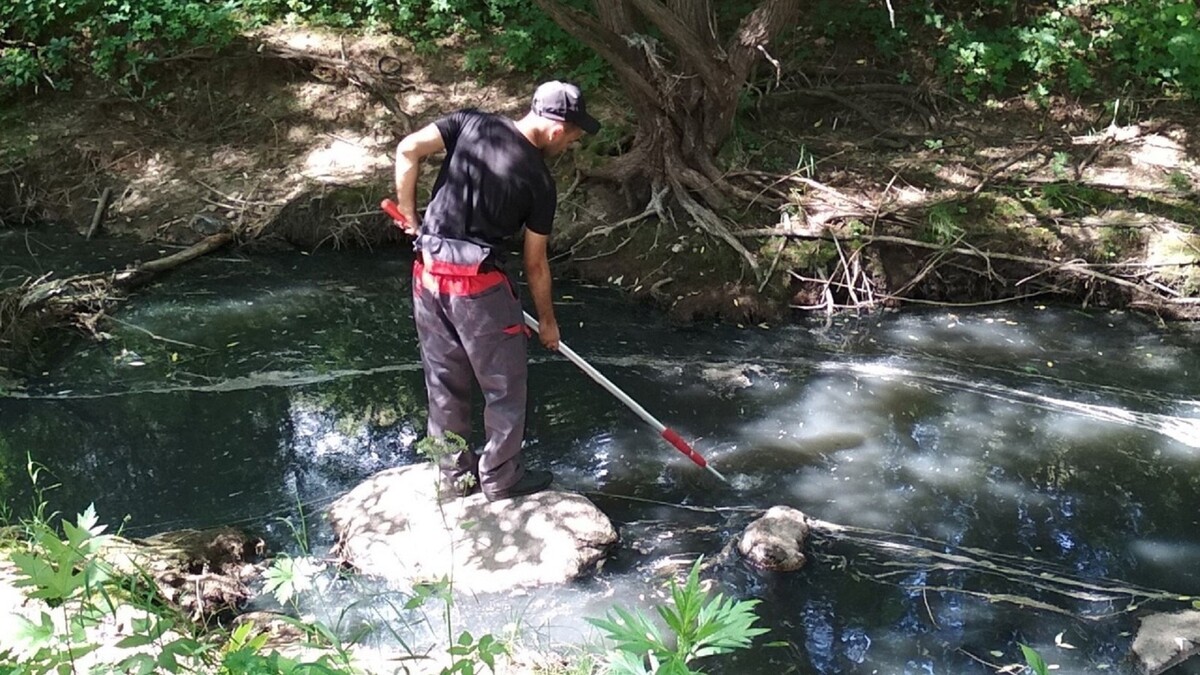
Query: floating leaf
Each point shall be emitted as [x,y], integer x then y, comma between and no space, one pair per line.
[1034,660]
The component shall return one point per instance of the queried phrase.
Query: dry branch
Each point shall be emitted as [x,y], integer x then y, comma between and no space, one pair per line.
[1144,293]
[98,216]
[81,301]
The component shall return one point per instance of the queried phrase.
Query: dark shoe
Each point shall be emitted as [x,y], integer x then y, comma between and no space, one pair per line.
[533,481]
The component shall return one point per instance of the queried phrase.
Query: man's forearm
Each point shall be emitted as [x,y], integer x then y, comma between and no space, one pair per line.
[407,170]
[538,277]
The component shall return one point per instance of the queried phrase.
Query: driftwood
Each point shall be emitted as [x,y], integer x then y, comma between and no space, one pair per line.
[82,300]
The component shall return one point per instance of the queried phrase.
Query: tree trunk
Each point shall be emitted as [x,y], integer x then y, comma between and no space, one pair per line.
[683,83]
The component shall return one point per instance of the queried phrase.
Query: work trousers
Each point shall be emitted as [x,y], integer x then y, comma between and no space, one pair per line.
[471,330]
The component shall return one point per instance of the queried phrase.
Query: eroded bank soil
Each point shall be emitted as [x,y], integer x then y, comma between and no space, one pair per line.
[872,194]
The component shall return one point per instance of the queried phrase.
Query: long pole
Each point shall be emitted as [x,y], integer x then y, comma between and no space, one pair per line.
[666,432]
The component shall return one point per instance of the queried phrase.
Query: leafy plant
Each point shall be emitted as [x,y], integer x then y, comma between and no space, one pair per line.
[434,448]
[942,223]
[70,576]
[699,626]
[289,577]
[1035,661]
[1059,163]
[1180,181]
[48,42]
[246,653]
[469,652]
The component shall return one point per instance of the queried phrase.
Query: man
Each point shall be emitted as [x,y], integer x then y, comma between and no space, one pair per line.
[493,182]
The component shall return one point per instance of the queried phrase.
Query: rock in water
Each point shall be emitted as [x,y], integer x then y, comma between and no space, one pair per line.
[776,541]
[1165,640]
[393,526]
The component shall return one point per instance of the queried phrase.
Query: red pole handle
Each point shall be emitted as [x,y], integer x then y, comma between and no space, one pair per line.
[681,445]
[389,207]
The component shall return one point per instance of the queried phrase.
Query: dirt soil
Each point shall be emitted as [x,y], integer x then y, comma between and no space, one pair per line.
[874,195]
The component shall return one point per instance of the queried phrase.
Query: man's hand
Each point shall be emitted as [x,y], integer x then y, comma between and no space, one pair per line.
[402,221]
[548,333]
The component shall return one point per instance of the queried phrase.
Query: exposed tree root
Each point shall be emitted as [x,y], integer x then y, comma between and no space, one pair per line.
[711,224]
[1043,277]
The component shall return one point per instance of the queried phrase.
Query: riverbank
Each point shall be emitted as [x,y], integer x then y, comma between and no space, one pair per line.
[871,194]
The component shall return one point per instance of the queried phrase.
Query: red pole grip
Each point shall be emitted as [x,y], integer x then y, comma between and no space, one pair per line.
[389,207]
[681,445]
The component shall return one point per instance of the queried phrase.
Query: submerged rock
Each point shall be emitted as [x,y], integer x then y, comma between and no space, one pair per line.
[776,541]
[1164,641]
[393,526]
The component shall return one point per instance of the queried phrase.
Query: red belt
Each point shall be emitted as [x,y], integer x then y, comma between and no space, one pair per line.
[449,279]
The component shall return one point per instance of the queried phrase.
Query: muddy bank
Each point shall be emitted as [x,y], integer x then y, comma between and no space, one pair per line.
[287,140]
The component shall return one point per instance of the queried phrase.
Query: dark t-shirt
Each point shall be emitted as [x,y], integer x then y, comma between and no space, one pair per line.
[492,181]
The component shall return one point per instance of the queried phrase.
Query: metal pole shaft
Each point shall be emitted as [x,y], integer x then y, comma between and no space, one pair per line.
[668,434]
[602,380]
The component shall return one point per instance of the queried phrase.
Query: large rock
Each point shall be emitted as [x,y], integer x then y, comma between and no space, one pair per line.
[776,541]
[394,526]
[1165,640]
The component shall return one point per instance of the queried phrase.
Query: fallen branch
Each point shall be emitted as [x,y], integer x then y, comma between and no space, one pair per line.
[81,301]
[905,556]
[373,81]
[98,216]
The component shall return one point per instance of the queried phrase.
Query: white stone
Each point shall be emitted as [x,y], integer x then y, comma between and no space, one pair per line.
[776,541]
[1165,640]
[393,526]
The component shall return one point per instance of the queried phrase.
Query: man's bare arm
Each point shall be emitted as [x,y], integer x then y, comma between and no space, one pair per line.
[537,273]
[409,153]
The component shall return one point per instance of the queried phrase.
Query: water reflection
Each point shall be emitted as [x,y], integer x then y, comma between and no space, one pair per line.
[1053,441]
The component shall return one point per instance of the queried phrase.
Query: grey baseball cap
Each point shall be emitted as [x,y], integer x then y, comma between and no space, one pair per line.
[563,101]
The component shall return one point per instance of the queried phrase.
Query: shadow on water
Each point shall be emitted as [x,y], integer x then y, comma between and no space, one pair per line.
[238,392]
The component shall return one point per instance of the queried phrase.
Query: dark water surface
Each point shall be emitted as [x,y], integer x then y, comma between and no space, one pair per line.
[1051,442]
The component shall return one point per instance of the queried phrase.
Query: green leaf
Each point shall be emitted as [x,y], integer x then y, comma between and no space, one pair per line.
[132,641]
[1034,661]
[30,636]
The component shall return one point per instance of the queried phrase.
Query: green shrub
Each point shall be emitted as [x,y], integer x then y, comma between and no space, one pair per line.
[49,43]
[524,37]
[984,47]
[46,42]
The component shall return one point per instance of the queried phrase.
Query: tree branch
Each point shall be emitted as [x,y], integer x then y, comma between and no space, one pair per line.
[689,44]
[758,29]
[609,45]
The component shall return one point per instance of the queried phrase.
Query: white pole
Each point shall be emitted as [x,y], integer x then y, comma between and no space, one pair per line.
[668,434]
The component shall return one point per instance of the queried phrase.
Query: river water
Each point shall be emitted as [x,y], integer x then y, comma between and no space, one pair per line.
[1010,475]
